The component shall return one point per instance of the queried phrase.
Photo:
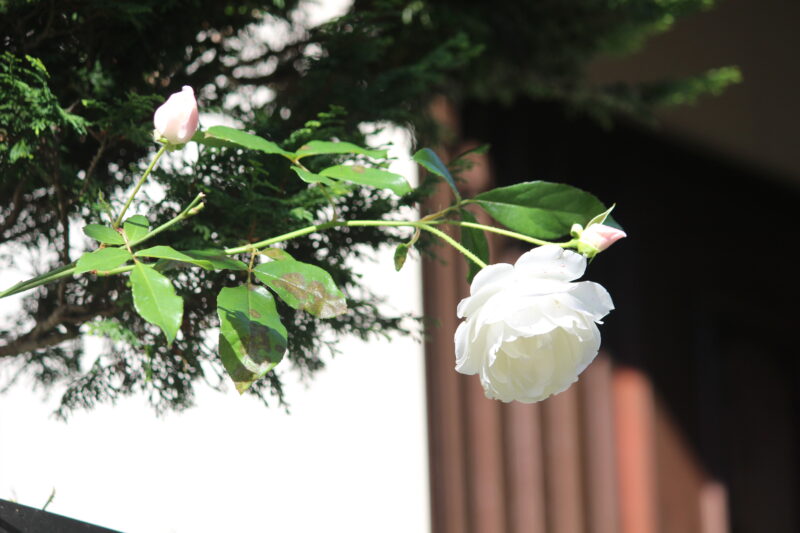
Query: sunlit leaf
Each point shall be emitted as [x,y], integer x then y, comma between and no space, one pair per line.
[310,177]
[102,259]
[167,252]
[605,218]
[328,147]
[276,254]
[246,140]
[201,137]
[103,234]
[303,286]
[374,177]
[136,227]
[539,208]
[217,258]
[155,300]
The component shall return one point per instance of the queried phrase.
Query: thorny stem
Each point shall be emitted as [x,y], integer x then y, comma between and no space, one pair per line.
[253,254]
[431,218]
[193,208]
[507,233]
[425,224]
[150,168]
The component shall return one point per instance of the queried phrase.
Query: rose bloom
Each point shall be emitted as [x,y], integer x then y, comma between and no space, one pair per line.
[529,330]
[176,120]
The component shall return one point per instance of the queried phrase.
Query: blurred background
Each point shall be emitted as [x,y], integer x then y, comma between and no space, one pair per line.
[687,422]
[681,113]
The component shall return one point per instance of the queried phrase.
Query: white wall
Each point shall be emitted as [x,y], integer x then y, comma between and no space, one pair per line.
[351,456]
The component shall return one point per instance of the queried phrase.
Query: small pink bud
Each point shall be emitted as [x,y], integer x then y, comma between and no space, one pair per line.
[600,236]
[176,119]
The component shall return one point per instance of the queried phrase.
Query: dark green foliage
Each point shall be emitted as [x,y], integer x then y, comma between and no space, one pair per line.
[30,107]
[72,139]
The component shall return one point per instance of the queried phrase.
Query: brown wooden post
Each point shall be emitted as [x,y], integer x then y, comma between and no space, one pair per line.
[525,468]
[602,488]
[563,459]
[680,478]
[487,499]
[634,413]
[445,398]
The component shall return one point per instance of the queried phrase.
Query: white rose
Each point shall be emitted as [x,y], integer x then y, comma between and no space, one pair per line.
[529,331]
[176,119]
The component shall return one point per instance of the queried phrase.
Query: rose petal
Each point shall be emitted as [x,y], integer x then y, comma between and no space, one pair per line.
[466,362]
[594,298]
[177,119]
[528,330]
[490,274]
[551,262]
[481,288]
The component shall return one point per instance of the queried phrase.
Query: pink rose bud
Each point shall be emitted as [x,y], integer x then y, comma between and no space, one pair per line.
[176,119]
[600,236]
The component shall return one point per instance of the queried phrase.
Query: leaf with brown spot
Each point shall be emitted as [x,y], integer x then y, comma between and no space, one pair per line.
[252,339]
[277,254]
[303,286]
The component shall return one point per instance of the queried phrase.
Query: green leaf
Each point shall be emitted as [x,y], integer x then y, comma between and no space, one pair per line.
[599,219]
[475,241]
[605,218]
[301,213]
[303,286]
[167,252]
[252,339]
[276,254]
[211,259]
[328,147]
[102,259]
[217,258]
[428,159]
[155,300]
[103,234]
[136,227]
[539,208]
[400,256]
[310,177]
[202,138]
[19,150]
[246,140]
[374,177]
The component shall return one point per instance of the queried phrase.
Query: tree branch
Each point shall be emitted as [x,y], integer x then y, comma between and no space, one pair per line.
[16,200]
[93,166]
[30,344]
[44,333]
